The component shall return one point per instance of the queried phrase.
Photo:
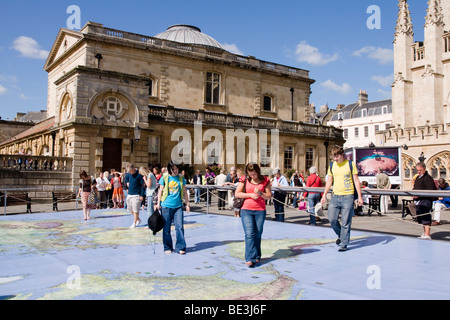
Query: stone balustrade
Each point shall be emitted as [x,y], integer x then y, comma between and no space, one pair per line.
[19,162]
[222,54]
[228,121]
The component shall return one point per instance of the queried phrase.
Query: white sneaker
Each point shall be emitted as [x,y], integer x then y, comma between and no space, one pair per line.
[137,223]
[424,237]
[133,226]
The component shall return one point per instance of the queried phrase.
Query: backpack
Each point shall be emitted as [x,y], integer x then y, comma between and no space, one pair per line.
[355,193]
[156,222]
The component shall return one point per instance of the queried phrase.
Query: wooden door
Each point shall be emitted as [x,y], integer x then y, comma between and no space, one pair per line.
[112,154]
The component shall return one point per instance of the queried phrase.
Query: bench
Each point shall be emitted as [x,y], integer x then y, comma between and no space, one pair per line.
[374,205]
[405,209]
[15,199]
[65,196]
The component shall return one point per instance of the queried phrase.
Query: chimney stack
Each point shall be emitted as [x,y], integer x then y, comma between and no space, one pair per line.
[363,97]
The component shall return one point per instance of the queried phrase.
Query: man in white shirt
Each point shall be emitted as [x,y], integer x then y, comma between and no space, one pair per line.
[101,187]
[222,194]
[279,197]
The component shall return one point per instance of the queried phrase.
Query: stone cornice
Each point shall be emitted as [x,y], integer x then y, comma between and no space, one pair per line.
[100,72]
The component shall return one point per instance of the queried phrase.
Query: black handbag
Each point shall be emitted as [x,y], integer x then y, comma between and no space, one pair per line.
[239,202]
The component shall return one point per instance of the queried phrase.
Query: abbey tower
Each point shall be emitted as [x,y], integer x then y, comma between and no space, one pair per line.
[421,89]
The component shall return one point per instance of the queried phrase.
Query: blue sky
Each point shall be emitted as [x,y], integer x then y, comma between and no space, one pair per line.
[329,38]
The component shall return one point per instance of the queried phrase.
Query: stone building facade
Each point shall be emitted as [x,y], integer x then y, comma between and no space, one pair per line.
[116,97]
[421,91]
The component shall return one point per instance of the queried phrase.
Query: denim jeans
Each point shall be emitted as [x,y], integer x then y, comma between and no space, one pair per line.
[125,194]
[313,199]
[343,205]
[278,204]
[253,223]
[150,208]
[175,215]
[197,195]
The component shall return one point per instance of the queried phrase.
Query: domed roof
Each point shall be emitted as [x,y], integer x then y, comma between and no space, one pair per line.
[189,35]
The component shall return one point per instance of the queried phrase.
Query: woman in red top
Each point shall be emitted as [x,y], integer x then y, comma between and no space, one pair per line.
[313,181]
[253,212]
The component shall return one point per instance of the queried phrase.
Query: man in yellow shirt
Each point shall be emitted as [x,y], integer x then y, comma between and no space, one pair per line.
[344,182]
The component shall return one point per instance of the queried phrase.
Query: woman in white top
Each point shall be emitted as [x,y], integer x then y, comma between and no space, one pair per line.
[150,182]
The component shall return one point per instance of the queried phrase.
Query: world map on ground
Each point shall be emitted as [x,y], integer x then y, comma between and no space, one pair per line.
[54,256]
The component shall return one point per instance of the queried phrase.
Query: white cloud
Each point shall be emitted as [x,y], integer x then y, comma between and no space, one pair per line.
[384,81]
[344,88]
[384,94]
[233,48]
[8,78]
[2,90]
[382,55]
[29,48]
[311,55]
[24,97]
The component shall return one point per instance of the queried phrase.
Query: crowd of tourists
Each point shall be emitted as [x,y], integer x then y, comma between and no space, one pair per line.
[165,191]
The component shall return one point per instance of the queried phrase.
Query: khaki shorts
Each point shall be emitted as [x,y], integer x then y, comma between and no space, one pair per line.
[133,203]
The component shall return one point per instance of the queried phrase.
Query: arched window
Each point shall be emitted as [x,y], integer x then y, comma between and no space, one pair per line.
[440,165]
[268,103]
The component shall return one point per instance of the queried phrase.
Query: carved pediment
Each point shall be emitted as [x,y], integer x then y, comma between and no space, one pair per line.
[65,41]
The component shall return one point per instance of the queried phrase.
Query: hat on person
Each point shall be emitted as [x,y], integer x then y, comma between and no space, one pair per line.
[312,170]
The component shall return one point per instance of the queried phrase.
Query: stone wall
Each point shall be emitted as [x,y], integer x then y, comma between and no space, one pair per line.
[38,184]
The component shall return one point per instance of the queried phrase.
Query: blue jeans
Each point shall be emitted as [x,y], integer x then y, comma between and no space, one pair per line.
[278,204]
[125,194]
[343,205]
[150,208]
[253,223]
[197,195]
[175,215]
[313,199]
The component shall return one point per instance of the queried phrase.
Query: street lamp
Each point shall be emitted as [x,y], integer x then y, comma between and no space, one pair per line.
[422,158]
[137,137]
[340,122]
[99,57]
[137,134]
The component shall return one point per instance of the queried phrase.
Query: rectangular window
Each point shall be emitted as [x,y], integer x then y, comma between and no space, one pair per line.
[377,128]
[356,132]
[212,88]
[366,132]
[150,87]
[154,157]
[309,160]
[288,157]
[265,156]
[345,134]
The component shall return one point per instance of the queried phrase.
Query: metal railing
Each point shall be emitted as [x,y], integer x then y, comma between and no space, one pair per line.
[368,191]
[209,188]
